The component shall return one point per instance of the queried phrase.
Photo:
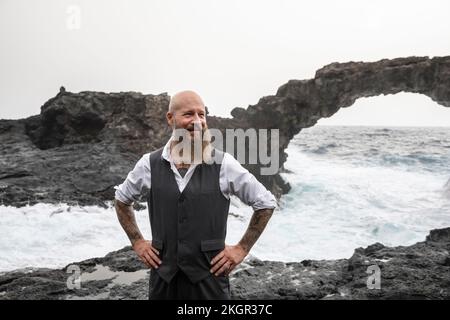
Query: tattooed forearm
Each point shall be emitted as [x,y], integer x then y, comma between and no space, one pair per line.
[256,226]
[127,219]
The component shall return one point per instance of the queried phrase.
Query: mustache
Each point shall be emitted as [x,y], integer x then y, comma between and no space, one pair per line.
[180,134]
[198,127]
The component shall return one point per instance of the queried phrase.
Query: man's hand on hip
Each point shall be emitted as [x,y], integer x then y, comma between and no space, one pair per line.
[227,259]
[147,253]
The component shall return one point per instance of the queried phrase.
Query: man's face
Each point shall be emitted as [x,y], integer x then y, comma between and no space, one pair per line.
[189,116]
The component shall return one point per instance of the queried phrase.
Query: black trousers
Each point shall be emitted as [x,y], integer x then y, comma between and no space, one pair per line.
[181,288]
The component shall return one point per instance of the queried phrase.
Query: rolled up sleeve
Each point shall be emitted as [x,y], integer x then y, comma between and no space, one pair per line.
[138,181]
[238,181]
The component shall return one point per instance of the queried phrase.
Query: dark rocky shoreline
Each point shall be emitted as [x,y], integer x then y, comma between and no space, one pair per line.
[419,271]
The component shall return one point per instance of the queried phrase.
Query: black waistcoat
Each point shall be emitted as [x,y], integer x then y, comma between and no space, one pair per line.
[188,228]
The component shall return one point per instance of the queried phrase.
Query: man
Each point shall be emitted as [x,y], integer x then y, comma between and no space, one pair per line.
[188,205]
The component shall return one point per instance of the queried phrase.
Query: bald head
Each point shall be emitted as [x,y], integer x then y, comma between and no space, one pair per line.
[185,99]
[185,109]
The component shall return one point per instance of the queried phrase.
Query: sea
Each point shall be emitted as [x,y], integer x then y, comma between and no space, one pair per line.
[351,186]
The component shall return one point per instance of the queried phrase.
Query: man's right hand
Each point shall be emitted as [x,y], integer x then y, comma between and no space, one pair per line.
[147,253]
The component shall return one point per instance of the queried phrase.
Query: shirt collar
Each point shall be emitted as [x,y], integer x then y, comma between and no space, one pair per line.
[166,151]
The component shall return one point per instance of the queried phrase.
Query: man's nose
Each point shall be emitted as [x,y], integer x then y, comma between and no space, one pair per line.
[197,120]
[197,124]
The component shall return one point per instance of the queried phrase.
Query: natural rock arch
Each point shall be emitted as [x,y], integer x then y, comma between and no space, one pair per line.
[300,104]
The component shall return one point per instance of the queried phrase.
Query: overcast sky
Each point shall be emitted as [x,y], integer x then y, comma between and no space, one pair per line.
[231,52]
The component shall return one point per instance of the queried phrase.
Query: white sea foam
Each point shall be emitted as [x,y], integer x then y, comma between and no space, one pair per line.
[52,236]
[340,200]
[46,235]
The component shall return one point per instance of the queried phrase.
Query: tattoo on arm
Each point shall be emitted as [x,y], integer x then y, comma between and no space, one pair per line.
[256,226]
[125,213]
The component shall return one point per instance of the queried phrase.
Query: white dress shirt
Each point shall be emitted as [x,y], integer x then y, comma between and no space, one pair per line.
[234,179]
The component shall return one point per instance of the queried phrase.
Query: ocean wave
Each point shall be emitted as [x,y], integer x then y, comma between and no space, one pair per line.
[409,159]
[324,148]
[377,134]
[320,150]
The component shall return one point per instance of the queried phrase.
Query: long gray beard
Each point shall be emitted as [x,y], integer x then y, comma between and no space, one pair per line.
[192,150]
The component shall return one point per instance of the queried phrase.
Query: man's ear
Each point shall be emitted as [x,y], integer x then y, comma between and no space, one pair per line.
[169,117]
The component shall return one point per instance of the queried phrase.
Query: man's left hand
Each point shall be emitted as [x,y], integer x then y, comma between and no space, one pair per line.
[227,259]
